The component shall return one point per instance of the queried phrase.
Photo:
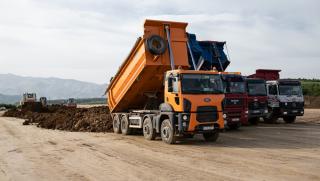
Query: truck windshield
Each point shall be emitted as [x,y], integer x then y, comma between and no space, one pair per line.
[290,90]
[201,84]
[235,87]
[257,89]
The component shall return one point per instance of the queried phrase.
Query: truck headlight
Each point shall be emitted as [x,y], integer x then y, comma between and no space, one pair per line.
[285,113]
[285,103]
[302,112]
[246,112]
[224,116]
[266,111]
[185,117]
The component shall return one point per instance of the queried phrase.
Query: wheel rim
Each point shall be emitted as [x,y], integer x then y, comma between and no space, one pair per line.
[115,124]
[146,129]
[165,132]
[123,125]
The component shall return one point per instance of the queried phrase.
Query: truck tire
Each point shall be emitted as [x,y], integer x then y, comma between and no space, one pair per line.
[116,124]
[254,121]
[270,120]
[156,45]
[148,131]
[211,137]
[289,119]
[167,132]
[125,125]
[234,126]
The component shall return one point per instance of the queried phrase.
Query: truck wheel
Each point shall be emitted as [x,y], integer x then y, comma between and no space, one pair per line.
[156,45]
[148,131]
[254,121]
[270,120]
[116,124]
[234,126]
[212,137]
[167,132]
[289,119]
[125,125]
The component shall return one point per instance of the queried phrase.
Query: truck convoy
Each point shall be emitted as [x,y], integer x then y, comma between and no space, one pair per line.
[173,86]
[256,99]
[285,98]
[157,90]
[235,102]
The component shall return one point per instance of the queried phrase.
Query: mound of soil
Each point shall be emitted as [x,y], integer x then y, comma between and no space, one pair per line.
[95,119]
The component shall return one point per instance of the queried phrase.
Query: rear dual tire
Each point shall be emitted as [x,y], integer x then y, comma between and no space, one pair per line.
[116,124]
[121,125]
[148,131]
[125,129]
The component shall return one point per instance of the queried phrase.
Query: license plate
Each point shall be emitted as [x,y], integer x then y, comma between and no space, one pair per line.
[206,128]
[295,111]
[256,111]
[235,119]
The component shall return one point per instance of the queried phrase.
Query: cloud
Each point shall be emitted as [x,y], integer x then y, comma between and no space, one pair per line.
[88,39]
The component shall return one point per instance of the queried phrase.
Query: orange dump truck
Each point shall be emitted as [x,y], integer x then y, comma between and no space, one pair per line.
[155,91]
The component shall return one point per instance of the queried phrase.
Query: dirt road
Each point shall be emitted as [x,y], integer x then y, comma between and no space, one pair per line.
[264,152]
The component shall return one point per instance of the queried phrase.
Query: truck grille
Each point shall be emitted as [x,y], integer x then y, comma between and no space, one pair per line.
[207,114]
[233,102]
[234,114]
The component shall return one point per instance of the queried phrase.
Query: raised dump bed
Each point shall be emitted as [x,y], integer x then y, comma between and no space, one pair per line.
[141,75]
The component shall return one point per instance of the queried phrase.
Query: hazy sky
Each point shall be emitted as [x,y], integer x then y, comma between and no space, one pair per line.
[88,39]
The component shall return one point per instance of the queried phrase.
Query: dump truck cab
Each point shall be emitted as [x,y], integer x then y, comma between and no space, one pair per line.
[193,101]
[257,99]
[285,100]
[235,103]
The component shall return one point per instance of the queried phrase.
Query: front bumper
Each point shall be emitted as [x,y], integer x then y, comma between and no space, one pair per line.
[257,113]
[234,118]
[187,123]
[291,112]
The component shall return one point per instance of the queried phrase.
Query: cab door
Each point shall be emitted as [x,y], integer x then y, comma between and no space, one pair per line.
[172,95]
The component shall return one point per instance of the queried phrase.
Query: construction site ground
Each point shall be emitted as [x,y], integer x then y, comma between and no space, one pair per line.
[263,152]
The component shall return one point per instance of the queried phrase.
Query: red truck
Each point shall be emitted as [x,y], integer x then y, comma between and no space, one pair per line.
[235,103]
[257,99]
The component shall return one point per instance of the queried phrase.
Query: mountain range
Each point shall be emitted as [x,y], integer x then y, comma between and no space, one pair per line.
[13,86]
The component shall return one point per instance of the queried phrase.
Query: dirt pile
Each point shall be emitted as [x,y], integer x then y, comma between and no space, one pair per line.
[95,119]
